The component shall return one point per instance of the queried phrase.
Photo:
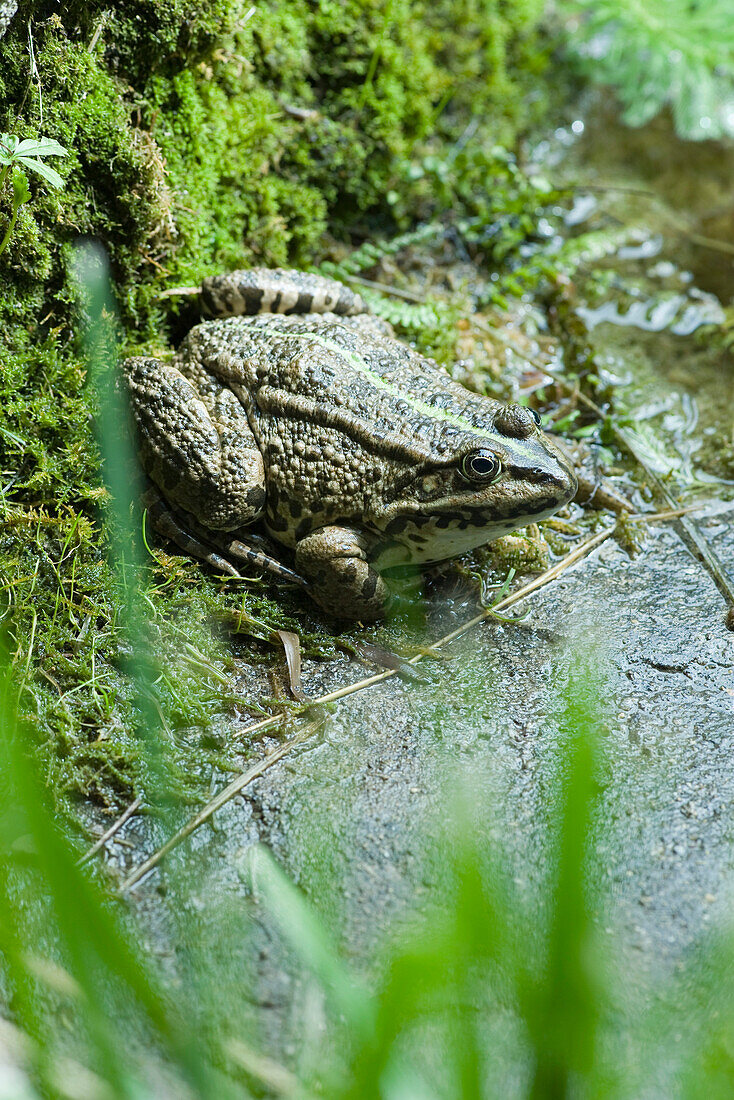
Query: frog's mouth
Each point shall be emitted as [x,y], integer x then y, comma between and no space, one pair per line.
[424,539]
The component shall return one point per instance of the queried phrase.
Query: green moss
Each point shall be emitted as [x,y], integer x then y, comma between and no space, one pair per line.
[199,139]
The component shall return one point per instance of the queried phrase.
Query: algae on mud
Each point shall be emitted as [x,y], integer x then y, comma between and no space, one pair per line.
[201,137]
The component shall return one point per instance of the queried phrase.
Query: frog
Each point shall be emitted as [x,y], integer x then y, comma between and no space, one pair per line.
[293,410]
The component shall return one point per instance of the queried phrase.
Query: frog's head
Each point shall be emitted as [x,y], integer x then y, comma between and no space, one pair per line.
[489,482]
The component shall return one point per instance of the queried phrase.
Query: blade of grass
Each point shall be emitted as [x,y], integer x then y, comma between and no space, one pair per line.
[121,472]
[562,1006]
[99,956]
[307,935]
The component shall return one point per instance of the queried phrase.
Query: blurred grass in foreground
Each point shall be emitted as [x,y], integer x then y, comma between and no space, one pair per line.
[490,992]
[124,483]
[58,934]
[493,992]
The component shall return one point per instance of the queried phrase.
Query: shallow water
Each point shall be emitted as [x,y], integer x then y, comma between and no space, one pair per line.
[674,278]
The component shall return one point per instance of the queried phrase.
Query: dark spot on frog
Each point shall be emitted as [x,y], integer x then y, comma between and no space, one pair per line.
[169,479]
[395,526]
[255,498]
[296,508]
[303,305]
[528,509]
[545,505]
[304,528]
[370,585]
[254,300]
[451,519]
[276,522]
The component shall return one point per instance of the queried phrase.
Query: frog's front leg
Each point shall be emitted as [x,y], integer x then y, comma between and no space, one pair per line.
[198,449]
[341,580]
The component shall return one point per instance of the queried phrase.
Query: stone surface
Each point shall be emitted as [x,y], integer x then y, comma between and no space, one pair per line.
[357,818]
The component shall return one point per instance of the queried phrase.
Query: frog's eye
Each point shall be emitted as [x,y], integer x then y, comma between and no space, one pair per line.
[481,467]
[535,415]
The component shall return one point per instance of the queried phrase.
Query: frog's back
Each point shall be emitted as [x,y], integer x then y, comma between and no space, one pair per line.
[318,365]
[343,414]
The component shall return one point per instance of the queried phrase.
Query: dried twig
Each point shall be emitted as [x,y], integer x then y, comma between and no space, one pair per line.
[115,827]
[229,792]
[271,1074]
[179,292]
[384,288]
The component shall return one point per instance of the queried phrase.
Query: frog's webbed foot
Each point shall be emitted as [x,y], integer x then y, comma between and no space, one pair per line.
[341,580]
[190,537]
[266,290]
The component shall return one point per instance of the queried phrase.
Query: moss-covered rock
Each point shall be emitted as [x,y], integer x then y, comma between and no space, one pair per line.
[200,136]
[204,136]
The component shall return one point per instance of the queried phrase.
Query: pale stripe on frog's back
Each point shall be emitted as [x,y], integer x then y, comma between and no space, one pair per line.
[345,364]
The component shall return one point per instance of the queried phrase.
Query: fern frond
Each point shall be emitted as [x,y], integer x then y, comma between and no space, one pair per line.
[371,252]
[658,53]
[413,317]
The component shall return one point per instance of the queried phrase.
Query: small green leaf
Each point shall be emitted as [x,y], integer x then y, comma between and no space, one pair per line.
[584,433]
[8,145]
[40,147]
[49,174]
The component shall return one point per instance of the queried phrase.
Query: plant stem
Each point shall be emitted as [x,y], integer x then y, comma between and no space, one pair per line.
[14,210]
[11,227]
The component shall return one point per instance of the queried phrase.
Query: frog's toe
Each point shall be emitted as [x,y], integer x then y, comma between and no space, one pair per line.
[166,523]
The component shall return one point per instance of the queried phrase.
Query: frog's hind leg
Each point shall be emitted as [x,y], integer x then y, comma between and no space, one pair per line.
[265,290]
[190,537]
[195,443]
